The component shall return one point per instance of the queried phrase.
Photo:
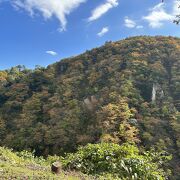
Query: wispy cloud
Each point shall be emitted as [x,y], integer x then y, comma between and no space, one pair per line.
[53,53]
[139,27]
[176,7]
[103,31]
[49,8]
[129,23]
[102,9]
[158,15]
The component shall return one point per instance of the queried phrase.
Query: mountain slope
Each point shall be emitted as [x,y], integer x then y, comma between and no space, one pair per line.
[127,90]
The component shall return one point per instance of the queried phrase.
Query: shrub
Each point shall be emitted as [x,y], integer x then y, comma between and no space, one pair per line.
[123,161]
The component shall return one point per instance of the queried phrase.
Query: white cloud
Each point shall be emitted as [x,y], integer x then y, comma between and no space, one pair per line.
[103,31]
[49,8]
[139,27]
[158,15]
[129,23]
[176,7]
[53,53]
[102,9]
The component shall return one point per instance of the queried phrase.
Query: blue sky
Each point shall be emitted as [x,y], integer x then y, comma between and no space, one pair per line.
[41,32]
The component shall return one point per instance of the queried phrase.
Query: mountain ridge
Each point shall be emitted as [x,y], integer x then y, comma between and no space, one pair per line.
[124,91]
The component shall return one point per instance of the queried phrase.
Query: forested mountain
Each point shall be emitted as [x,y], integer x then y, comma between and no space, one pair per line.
[124,91]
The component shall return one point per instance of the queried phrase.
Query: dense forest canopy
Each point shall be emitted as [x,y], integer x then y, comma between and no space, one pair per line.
[124,91]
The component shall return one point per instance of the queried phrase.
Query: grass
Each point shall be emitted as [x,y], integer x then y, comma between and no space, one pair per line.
[24,166]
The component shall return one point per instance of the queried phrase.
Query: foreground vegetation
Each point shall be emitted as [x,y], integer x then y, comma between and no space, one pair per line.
[24,165]
[118,162]
[101,161]
[124,91]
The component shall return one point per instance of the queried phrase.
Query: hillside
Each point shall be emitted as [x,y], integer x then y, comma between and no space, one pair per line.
[24,165]
[124,91]
[103,161]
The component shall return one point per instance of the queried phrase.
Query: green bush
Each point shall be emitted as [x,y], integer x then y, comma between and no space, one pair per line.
[123,161]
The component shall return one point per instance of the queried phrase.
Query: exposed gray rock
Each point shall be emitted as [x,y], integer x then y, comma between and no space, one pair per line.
[90,102]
